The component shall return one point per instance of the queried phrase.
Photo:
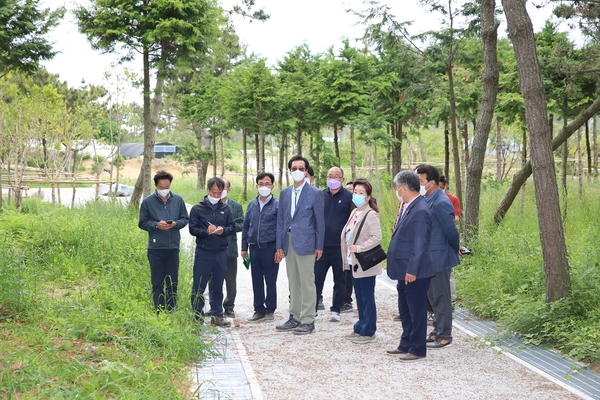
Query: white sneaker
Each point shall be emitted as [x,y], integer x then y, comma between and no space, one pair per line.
[334,317]
[351,336]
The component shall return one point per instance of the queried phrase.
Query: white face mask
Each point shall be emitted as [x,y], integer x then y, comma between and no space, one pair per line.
[399,197]
[307,180]
[213,200]
[163,192]
[298,176]
[224,194]
[422,190]
[264,191]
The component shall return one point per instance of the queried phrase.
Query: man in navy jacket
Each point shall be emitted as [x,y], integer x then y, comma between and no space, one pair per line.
[409,261]
[258,236]
[444,249]
[211,221]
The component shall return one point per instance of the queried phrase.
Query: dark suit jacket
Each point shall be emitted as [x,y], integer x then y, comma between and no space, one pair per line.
[444,234]
[238,218]
[409,247]
[308,224]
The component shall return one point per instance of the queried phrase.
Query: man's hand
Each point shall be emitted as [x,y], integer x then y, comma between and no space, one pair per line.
[219,231]
[318,254]
[279,255]
[162,225]
[244,254]
[409,278]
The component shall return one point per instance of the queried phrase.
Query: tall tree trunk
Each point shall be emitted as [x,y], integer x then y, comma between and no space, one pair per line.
[204,143]
[214,154]
[142,185]
[222,153]
[256,151]
[580,164]
[595,145]
[465,134]
[554,249]
[388,156]
[565,162]
[245,161]
[396,150]
[298,139]
[454,132]
[485,115]
[588,149]
[336,144]
[260,162]
[282,158]
[447,152]
[352,153]
[398,126]
[498,150]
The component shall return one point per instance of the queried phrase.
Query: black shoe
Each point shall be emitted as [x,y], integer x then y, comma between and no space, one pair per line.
[347,307]
[229,314]
[438,344]
[219,320]
[288,325]
[304,329]
[320,305]
[395,352]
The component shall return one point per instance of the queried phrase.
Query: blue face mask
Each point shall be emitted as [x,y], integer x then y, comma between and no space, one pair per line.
[359,200]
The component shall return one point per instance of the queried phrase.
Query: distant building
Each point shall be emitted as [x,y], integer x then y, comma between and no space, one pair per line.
[161,150]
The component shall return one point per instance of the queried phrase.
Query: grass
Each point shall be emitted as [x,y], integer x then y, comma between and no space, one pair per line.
[504,279]
[76,317]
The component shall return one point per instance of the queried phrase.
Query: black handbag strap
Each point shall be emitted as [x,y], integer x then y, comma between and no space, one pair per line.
[360,226]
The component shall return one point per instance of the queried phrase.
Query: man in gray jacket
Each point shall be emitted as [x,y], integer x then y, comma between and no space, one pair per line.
[162,215]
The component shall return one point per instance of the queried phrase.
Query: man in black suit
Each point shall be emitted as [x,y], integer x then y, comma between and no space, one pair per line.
[410,262]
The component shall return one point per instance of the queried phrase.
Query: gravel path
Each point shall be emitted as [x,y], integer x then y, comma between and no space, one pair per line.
[324,365]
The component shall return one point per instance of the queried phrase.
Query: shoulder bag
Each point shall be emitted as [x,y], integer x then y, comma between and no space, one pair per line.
[372,257]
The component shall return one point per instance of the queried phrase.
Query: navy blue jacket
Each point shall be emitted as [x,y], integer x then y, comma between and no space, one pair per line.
[409,250]
[337,211]
[238,217]
[153,210]
[444,234]
[202,215]
[260,227]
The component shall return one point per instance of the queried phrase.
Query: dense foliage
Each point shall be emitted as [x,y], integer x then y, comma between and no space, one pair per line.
[76,314]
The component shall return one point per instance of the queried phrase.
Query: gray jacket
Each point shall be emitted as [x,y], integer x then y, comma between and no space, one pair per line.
[153,210]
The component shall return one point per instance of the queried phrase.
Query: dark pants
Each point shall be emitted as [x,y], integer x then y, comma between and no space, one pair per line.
[164,272]
[208,266]
[332,257]
[230,284]
[348,294]
[440,297]
[413,312]
[264,272]
[364,288]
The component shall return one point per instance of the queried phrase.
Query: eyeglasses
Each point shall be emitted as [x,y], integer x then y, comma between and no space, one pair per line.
[335,177]
[301,169]
[264,184]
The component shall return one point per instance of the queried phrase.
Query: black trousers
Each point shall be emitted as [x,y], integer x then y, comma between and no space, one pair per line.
[164,274]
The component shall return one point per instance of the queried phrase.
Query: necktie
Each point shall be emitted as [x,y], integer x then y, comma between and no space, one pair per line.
[399,216]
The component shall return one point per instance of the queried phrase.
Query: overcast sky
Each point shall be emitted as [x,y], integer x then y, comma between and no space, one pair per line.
[319,23]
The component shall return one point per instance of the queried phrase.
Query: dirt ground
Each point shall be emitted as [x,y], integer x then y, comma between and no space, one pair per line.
[132,167]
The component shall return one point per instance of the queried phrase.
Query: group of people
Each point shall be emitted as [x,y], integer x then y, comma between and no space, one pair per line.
[314,230]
